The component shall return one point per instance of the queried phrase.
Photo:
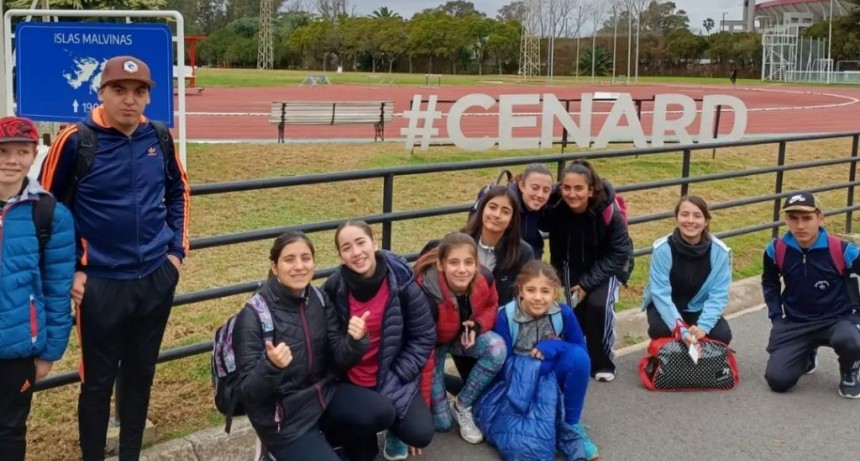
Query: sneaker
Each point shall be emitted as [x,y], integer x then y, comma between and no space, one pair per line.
[812,364]
[395,449]
[850,385]
[604,376]
[468,430]
[590,448]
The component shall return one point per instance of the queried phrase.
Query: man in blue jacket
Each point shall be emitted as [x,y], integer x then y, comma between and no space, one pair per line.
[816,307]
[35,277]
[129,196]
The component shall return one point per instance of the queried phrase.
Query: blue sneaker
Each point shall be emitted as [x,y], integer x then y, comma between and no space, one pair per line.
[395,449]
[590,448]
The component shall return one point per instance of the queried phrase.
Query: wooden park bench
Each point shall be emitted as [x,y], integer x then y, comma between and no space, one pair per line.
[377,113]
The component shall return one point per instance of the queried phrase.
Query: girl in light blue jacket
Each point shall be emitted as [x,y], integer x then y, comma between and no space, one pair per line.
[691,271]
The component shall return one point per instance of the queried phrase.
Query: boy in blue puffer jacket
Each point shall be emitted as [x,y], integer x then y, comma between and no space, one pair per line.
[35,282]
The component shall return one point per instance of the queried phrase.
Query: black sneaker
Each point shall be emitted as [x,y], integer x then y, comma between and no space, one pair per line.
[850,385]
[812,364]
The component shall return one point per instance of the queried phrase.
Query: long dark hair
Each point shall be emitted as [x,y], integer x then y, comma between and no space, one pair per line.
[287,238]
[509,245]
[702,205]
[584,168]
[440,253]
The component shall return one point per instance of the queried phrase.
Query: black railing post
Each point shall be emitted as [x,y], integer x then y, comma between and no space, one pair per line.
[387,207]
[685,170]
[560,168]
[852,176]
[716,128]
[780,161]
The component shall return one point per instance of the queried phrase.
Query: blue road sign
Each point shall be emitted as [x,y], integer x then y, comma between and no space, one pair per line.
[59,65]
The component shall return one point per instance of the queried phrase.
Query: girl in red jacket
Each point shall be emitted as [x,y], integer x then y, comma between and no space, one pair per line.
[464,294]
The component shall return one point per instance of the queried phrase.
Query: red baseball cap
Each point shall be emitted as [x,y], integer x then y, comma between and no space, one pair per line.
[18,129]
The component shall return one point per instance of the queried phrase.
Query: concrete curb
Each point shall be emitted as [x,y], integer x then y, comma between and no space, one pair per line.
[216,445]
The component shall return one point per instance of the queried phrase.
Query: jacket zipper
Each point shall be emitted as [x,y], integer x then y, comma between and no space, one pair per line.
[136,207]
[310,354]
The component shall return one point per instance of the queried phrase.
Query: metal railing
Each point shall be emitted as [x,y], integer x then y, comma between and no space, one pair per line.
[387,216]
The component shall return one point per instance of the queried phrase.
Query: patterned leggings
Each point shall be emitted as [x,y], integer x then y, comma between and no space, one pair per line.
[490,350]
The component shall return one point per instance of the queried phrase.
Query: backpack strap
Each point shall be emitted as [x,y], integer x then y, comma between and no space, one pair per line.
[86,154]
[265,315]
[608,212]
[514,327]
[837,254]
[557,323]
[166,143]
[779,249]
[43,219]
[319,295]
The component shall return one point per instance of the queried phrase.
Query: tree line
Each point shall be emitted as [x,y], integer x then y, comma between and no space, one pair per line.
[588,36]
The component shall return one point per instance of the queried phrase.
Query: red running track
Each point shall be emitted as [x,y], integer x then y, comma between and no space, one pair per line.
[241,113]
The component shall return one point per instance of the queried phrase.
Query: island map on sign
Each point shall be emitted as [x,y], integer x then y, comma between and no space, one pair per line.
[85,71]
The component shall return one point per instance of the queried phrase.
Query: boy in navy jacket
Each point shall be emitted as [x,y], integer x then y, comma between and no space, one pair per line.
[35,278]
[131,220]
[816,307]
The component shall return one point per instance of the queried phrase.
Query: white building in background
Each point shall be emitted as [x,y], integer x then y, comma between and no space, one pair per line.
[773,13]
[786,54]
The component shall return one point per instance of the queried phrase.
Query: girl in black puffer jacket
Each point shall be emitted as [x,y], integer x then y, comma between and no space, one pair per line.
[289,385]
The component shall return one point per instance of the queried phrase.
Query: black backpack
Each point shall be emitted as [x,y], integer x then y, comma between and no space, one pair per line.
[88,143]
[486,189]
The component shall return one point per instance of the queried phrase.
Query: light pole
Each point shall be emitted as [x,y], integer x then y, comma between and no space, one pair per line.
[614,40]
[830,44]
[629,41]
[723,22]
[4,92]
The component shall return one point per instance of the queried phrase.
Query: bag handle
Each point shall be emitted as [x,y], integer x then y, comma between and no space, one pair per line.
[676,332]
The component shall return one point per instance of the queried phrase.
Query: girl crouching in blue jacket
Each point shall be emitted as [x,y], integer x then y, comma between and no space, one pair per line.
[533,408]
[691,271]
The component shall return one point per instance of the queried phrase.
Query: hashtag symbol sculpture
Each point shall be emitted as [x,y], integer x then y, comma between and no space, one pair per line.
[416,115]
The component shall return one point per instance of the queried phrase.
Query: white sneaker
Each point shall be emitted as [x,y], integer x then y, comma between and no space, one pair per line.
[468,430]
[604,376]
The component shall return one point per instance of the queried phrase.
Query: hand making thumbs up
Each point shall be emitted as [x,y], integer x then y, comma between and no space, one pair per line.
[357,326]
[279,355]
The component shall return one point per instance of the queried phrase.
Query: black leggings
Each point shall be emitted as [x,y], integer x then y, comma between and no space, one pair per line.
[657,328]
[355,424]
[352,412]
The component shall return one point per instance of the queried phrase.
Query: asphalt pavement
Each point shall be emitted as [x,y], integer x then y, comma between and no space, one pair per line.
[628,422]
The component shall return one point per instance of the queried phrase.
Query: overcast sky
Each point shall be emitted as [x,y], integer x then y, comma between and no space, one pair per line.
[697,10]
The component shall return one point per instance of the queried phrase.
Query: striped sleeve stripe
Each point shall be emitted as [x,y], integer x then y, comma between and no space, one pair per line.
[186,196]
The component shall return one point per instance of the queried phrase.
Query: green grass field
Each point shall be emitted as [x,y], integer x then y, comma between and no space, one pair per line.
[213,77]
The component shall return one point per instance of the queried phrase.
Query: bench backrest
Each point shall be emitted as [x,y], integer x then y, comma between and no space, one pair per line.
[331,112]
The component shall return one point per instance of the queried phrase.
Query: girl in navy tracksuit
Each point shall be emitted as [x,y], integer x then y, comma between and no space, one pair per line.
[691,271]
[532,188]
[542,337]
[380,285]
[592,256]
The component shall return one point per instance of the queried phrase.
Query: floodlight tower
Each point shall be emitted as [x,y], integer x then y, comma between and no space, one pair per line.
[266,46]
[530,41]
